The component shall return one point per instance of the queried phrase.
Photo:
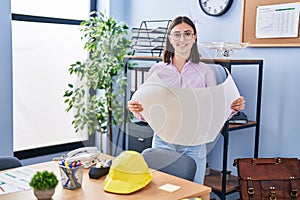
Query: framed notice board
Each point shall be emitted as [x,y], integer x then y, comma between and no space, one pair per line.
[248,32]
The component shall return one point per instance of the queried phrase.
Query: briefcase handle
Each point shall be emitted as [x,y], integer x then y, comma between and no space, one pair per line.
[258,161]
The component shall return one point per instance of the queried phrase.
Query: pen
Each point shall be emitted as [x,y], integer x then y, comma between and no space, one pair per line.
[1,188]
[70,174]
[67,182]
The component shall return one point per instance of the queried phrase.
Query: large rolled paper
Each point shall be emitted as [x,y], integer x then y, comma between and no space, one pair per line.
[186,116]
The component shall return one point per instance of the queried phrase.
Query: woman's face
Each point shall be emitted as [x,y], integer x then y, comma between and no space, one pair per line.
[182,38]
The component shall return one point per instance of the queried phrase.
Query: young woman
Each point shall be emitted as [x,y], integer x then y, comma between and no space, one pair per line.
[181,67]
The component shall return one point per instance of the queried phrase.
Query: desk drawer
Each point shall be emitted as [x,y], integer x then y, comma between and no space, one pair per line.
[140,136]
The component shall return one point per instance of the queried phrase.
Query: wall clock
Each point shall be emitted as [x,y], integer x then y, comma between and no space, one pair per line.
[215,7]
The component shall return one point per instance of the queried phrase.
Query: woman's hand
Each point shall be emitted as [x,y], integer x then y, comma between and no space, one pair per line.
[238,104]
[135,106]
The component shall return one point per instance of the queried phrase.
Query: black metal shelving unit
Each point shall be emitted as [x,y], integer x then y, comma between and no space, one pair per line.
[221,186]
[142,71]
[218,183]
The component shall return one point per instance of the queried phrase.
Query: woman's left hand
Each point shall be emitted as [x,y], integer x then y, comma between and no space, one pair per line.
[238,104]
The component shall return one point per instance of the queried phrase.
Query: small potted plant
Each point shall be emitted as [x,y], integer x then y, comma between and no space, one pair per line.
[207,170]
[43,184]
[228,173]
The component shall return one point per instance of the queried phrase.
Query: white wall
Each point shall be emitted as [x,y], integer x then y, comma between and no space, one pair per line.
[280,99]
[6,123]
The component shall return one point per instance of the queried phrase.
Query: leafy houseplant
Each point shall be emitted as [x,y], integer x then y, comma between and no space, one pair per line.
[44,184]
[107,42]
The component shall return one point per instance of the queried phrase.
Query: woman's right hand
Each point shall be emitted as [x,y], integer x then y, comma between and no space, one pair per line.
[135,106]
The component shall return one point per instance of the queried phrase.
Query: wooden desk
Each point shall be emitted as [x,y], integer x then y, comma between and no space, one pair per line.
[93,188]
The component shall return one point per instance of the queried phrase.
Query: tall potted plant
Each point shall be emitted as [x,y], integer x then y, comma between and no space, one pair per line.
[107,42]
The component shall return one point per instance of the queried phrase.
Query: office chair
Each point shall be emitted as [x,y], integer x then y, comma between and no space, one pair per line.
[170,162]
[7,162]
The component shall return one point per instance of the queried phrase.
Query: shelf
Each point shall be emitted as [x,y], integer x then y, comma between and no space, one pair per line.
[214,181]
[221,187]
[149,40]
[233,127]
[142,57]
[148,47]
[158,30]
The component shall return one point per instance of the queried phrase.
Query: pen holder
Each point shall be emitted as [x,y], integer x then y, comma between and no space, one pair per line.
[71,178]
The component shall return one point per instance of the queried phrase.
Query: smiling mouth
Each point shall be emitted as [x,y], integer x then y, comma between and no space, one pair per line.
[182,45]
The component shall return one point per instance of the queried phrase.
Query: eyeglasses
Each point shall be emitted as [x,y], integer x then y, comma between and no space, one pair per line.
[177,35]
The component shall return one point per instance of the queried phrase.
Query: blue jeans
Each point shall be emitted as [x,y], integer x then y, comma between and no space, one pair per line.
[198,153]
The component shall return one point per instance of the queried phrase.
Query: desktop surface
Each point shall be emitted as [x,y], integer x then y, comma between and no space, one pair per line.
[93,188]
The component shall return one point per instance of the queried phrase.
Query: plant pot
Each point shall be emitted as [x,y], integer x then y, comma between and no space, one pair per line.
[228,173]
[44,194]
[207,171]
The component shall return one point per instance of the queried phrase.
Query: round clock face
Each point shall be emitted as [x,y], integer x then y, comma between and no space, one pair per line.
[215,7]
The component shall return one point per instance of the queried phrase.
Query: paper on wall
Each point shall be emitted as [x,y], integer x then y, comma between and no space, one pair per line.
[277,21]
[186,116]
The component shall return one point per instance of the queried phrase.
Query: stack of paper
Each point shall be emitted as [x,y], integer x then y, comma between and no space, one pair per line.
[16,180]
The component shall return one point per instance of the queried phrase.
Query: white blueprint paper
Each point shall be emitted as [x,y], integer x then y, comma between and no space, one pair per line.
[186,116]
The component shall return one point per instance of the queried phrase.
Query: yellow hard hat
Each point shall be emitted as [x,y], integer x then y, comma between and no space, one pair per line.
[128,173]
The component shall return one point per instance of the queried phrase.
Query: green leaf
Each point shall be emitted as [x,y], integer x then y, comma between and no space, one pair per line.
[44,180]
[106,40]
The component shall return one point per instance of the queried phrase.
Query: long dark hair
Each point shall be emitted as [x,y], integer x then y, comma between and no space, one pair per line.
[169,49]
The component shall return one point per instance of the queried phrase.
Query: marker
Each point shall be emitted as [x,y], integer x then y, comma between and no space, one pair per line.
[78,164]
[70,174]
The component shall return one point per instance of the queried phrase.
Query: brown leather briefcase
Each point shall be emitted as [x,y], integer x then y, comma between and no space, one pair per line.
[268,178]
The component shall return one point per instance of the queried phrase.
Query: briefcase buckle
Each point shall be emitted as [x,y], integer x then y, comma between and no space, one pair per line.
[251,191]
